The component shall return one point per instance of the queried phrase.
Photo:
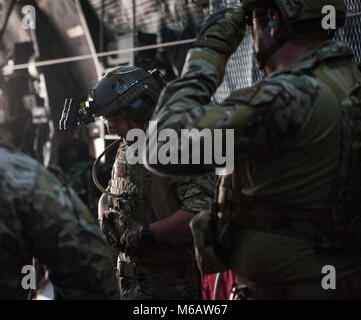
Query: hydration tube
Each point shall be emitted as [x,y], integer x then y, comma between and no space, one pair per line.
[94,170]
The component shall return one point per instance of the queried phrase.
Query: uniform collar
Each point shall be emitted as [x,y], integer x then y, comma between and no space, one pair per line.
[326,51]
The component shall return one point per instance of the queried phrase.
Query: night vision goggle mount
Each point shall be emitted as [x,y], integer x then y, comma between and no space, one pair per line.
[76,112]
[128,90]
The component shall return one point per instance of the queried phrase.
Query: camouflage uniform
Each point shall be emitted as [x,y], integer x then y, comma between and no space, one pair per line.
[288,150]
[41,218]
[165,270]
[79,177]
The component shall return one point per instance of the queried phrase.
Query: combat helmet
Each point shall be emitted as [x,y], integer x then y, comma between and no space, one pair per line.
[294,11]
[128,90]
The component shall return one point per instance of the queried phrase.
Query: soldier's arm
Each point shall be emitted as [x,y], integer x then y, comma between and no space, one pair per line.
[263,116]
[194,195]
[75,251]
[173,227]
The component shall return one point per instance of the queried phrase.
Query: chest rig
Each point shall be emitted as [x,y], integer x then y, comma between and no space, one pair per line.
[335,227]
[132,182]
[147,199]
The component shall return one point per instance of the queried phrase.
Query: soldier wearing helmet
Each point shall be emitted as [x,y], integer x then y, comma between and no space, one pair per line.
[291,206]
[146,217]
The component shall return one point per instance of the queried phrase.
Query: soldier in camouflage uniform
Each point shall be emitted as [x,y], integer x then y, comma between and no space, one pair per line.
[44,219]
[276,221]
[144,216]
[76,162]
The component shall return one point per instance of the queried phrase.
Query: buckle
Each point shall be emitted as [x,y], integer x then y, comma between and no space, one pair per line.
[125,269]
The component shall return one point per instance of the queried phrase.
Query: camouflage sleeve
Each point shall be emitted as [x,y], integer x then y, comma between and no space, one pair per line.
[194,193]
[264,116]
[75,251]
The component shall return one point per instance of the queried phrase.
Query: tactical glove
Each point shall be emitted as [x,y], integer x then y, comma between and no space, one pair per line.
[223,31]
[108,221]
[136,238]
[125,233]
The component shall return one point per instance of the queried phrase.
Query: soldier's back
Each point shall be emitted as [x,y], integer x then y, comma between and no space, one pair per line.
[285,242]
[42,218]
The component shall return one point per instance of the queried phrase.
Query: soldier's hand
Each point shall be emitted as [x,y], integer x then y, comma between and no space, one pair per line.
[136,238]
[223,31]
[107,222]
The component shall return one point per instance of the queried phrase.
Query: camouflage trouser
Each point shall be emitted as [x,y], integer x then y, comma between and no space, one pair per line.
[279,267]
[345,289]
[167,285]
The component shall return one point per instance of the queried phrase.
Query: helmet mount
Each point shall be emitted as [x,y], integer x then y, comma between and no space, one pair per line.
[130,91]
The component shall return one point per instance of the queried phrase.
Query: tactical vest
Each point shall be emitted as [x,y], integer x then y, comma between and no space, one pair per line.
[336,227]
[147,198]
[132,183]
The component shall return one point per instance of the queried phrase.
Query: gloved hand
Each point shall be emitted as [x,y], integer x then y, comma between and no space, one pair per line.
[223,31]
[136,237]
[108,222]
[126,234]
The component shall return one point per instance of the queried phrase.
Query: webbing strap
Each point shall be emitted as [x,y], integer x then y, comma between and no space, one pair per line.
[338,90]
[315,225]
[346,140]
